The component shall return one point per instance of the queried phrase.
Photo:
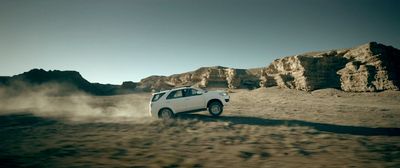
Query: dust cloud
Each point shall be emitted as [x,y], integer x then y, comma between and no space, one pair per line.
[66,102]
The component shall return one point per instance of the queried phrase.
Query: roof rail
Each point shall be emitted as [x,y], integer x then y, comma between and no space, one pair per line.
[181,86]
[177,87]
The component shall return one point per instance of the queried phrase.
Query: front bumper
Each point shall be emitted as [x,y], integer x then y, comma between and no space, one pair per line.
[226,99]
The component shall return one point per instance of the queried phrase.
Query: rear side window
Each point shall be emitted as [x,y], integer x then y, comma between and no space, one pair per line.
[157,96]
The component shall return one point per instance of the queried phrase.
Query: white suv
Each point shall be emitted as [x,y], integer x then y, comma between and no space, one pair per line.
[167,103]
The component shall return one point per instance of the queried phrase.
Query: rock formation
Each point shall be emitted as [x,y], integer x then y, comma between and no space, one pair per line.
[68,81]
[369,67]
[220,77]
[128,85]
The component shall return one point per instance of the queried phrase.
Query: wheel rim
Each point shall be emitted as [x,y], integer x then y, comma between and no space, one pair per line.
[215,109]
[166,114]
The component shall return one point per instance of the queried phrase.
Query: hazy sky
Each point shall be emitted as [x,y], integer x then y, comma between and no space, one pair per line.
[111,41]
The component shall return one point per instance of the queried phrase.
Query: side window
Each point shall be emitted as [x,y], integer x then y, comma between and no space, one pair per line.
[175,94]
[191,92]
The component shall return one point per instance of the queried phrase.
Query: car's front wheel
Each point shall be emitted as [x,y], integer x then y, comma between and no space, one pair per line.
[215,108]
[166,114]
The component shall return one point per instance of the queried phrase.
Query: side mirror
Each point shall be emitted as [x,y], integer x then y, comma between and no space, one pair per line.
[199,92]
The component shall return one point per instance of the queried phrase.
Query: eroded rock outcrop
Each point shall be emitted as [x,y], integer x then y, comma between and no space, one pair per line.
[369,67]
[205,77]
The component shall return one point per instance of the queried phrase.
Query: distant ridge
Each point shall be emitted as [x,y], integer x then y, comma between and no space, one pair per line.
[67,78]
[365,68]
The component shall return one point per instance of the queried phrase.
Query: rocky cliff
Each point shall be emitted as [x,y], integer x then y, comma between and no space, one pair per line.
[218,76]
[369,67]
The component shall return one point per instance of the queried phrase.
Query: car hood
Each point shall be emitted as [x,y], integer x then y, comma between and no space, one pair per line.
[216,92]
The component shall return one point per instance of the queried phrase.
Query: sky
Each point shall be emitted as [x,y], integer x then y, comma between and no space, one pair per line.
[111,41]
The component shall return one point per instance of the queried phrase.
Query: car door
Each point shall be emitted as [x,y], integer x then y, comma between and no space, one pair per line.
[194,100]
[176,101]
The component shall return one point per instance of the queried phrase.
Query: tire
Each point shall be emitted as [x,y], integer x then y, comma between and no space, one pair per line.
[165,114]
[215,109]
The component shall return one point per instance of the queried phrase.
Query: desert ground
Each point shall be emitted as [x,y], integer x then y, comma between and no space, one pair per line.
[265,127]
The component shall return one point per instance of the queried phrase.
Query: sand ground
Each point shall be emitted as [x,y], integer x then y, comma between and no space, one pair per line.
[267,127]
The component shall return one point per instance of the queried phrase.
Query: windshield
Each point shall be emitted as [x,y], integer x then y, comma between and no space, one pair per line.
[157,96]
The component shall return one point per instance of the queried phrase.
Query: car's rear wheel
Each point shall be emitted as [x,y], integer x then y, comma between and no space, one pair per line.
[166,114]
[215,108]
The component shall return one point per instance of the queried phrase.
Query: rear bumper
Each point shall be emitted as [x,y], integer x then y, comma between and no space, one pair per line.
[153,113]
[153,110]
